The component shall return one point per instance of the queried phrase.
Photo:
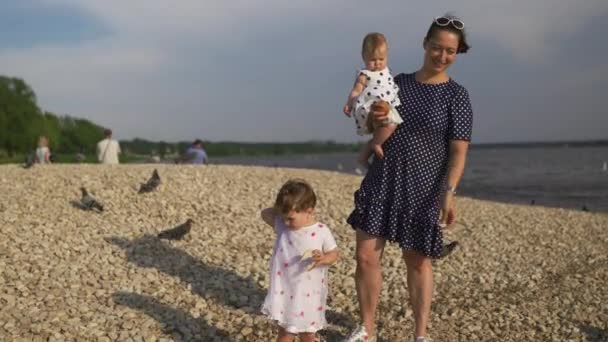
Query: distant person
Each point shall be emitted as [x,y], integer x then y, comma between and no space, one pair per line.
[108,149]
[43,153]
[195,154]
[374,83]
[80,157]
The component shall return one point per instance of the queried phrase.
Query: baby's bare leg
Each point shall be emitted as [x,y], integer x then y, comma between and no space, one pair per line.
[365,153]
[381,134]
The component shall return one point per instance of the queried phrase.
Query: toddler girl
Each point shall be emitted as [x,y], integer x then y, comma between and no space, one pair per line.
[43,154]
[303,250]
[373,84]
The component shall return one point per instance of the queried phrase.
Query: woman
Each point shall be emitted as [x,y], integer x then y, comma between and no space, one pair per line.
[409,195]
[43,154]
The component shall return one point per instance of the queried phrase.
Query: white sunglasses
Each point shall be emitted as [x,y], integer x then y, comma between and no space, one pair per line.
[443,21]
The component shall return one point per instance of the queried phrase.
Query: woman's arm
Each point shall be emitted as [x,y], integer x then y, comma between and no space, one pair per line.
[268,216]
[456,161]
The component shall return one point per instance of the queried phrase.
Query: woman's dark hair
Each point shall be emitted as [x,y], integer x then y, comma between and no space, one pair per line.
[463,46]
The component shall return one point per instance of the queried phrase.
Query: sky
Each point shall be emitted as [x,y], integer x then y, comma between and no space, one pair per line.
[275,70]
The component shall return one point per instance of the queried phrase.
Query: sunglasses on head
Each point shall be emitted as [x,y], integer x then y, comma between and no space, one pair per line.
[456,23]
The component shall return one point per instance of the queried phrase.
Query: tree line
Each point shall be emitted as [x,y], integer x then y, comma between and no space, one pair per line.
[22,122]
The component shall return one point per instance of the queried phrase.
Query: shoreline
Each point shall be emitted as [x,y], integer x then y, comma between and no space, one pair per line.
[508,177]
[471,186]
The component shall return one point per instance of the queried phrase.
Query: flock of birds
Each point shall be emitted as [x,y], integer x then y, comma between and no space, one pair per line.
[88,202]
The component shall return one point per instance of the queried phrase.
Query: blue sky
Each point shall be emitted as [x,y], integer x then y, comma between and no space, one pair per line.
[27,23]
[273,70]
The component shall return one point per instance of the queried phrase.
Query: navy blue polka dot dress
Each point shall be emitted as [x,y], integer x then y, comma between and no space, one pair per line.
[399,197]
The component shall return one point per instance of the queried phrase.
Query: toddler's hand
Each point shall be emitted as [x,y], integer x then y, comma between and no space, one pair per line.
[318,258]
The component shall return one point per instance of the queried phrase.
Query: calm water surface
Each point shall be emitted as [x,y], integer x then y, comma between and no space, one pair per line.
[547,176]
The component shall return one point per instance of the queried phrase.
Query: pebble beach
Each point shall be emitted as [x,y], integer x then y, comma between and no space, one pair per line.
[522,273]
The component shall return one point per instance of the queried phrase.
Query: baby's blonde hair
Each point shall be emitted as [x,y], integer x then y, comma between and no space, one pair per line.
[295,194]
[43,141]
[372,42]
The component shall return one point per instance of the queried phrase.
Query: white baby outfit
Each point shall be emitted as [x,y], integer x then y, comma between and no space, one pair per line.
[296,297]
[41,153]
[380,86]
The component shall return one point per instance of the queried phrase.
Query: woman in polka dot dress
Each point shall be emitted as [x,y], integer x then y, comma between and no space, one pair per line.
[374,83]
[303,250]
[406,196]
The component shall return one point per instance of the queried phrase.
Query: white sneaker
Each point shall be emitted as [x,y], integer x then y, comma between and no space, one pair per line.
[359,335]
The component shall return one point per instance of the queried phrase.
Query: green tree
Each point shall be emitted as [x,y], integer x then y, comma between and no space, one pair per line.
[20,117]
[79,135]
[51,129]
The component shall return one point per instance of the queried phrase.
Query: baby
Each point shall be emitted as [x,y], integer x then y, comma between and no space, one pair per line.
[374,84]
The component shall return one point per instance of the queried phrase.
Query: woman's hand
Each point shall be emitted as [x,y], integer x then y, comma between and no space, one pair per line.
[379,111]
[448,210]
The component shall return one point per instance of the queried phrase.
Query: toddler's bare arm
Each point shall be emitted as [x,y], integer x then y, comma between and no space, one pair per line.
[268,216]
[326,258]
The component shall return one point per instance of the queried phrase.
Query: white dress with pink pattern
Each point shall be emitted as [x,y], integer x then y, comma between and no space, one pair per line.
[296,297]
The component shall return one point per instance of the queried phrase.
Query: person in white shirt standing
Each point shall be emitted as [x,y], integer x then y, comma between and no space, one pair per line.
[108,149]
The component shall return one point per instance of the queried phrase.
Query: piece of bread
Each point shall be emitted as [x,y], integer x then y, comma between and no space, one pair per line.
[308,255]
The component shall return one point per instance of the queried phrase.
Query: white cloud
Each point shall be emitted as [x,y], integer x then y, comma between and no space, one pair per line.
[209,17]
[585,79]
[84,71]
[529,29]
[159,53]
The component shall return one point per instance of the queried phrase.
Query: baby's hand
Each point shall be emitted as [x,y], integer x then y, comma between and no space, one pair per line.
[347,110]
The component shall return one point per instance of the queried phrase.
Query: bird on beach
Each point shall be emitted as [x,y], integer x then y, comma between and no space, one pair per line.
[448,248]
[89,202]
[176,233]
[29,162]
[151,184]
